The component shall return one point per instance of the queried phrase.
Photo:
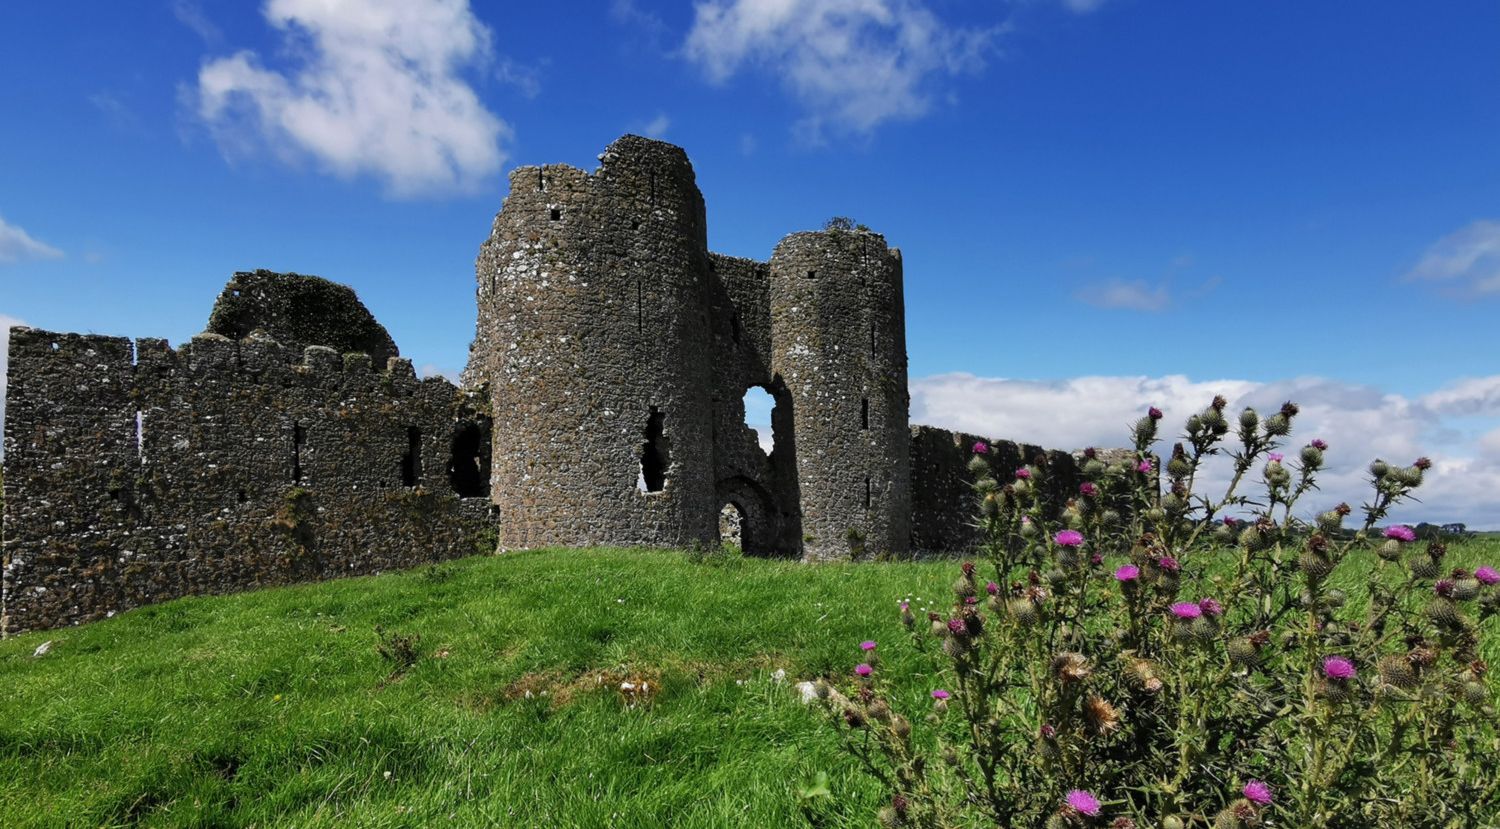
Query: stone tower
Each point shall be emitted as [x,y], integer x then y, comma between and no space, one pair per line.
[839,334]
[594,337]
[617,350]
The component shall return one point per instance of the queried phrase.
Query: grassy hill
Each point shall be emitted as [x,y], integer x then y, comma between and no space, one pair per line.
[274,708]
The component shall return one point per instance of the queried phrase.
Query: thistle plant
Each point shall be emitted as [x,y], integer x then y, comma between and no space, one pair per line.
[1149,655]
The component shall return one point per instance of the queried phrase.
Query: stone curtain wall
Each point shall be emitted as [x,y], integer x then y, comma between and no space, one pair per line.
[943,509]
[135,473]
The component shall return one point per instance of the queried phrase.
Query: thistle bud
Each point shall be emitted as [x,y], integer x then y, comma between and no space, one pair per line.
[1028,528]
[989,506]
[907,619]
[1249,420]
[1109,517]
[1278,425]
[1241,814]
[978,465]
[1390,550]
[1022,486]
[880,711]
[1172,822]
[1465,589]
[1422,565]
[1213,420]
[1397,671]
[1024,611]
[1475,693]
[1444,613]
[964,587]
[1145,432]
[1156,515]
[901,727]
[1251,538]
[1379,468]
[1243,652]
[1093,468]
[1312,457]
[1330,521]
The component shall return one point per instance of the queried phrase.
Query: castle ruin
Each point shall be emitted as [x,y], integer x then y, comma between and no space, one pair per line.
[602,405]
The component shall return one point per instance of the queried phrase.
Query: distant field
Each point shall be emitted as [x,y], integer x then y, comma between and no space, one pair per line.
[273,708]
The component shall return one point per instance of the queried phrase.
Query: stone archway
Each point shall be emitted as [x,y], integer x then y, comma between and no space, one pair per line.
[758,523]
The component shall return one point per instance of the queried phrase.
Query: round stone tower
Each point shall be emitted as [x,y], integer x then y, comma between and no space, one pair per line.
[838,334]
[594,337]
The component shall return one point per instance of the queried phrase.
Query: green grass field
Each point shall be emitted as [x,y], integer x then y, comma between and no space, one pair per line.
[274,709]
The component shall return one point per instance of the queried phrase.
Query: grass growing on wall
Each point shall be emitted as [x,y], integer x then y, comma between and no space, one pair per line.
[497,701]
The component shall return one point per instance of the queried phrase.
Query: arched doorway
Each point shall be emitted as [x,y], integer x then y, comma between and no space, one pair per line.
[732,527]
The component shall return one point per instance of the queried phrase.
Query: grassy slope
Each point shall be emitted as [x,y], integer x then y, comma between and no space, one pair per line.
[272,708]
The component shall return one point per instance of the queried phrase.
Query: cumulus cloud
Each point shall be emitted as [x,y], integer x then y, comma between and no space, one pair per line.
[1360,422]
[1134,295]
[16,245]
[1468,257]
[853,64]
[191,15]
[656,127]
[376,90]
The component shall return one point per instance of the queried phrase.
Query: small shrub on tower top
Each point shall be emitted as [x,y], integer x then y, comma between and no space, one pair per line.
[1142,660]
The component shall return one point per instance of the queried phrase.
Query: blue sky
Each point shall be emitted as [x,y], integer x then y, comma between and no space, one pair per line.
[1101,203]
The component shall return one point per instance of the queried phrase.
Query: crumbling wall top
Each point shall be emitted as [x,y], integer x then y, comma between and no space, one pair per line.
[298,311]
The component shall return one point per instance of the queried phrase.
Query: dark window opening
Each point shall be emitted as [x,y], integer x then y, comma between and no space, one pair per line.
[469,463]
[812,274]
[872,338]
[640,296]
[654,457]
[411,462]
[556,213]
[299,437]
[541,179]
[140,436]
[635,225]
[864,413]
[867,493]
[242,496]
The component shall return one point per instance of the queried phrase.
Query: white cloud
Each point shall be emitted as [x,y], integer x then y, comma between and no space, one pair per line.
[1082,6]
[1360,423]
[6,322]
[852,64]
[656,127]
[16,245]
[1469,256]
[1134,295]
[378,92]
[191,15]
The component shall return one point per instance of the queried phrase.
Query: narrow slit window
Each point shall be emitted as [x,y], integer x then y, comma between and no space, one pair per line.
[812,274]
[541,179]
[867,493]
[864,413]
[140,436]
[411,462]
[640,296]
[556,214]
[872,338]
[299,437]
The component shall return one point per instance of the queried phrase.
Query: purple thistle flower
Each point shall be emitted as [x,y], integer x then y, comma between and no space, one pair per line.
[1168,564]
[1320,444]
[980,447]
[867,645]
[1069,538]
[1230,521]
[1023,473]
[1127,572]
[1048,731]
[905,606]
[1153,413]
[940,694]
[970,600]
[1487,575]
[1274,457]
[992,588]
[1087,489]
[1400,533]
[1422,463]
[1186,610]
[1211,607]
[863,669]
[957,625]
[1257,791]
[1338,668]
[1443,587]
[1143,467]
[1096,559]
[1083,802]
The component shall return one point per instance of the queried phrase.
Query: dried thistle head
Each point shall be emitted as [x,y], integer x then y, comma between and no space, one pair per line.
[1102,717]
[1070,666]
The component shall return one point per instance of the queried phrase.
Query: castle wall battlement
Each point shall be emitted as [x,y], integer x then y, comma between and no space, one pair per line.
[135,472]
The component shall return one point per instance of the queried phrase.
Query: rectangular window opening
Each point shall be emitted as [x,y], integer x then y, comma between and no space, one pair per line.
[812,274]
[864,413]
[140,436]
[299,437]
[411,462]
[640,295]
[867,492]
[556,214]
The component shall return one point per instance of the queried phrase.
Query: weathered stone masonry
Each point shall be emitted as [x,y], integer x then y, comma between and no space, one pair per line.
[602,404]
